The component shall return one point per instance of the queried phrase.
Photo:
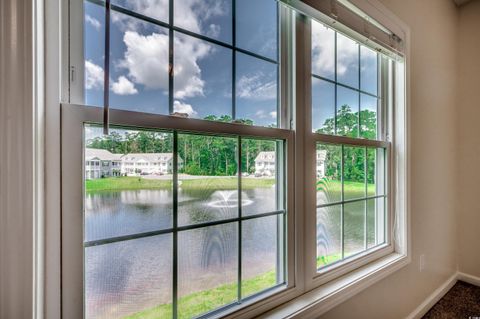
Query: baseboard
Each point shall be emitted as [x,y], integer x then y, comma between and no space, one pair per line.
[468,278]
[431,300]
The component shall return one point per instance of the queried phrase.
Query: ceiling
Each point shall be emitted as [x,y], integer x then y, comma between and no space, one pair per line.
[461,2]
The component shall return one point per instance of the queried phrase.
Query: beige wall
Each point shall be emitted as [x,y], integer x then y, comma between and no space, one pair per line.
[469,140]
[433,108]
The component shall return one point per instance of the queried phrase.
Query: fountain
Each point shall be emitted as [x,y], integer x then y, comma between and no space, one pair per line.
[227,199]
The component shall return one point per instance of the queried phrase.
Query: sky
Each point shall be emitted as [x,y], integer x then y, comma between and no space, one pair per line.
[202,70]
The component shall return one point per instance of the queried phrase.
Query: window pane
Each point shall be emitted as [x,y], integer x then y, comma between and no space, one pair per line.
[323,51]
[375,222]
[347,112]
[207,268]
[259,177]
[368,70]
[138,65]
[323,106]
[329,235]
[94,52]
[202,79]
[129,279]
[354,227]
[329,173]
[211,18]
[347,61]
[261,253]
[208,180]
[256,90]
[156,9]
[354,172]
[368,116]
[128,182]
[257,27]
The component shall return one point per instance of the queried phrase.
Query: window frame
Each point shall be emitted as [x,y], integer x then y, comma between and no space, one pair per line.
[303,282]
[73,119]
[391,88]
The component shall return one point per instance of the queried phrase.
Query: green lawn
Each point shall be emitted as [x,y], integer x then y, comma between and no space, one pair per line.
[200,302]
[135,183]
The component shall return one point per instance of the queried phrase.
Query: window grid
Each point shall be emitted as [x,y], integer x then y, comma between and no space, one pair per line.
[358,90]
[172,29]
[176,229]
[365,198]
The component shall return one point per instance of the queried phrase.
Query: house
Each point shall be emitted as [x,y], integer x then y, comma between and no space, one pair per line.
[265,163]
[321,155]
[101,163]
[148,163]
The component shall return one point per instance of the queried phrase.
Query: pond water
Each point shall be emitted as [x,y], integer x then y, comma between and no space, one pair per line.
[126,277]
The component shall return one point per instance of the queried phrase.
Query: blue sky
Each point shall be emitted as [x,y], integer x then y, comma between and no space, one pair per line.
[202,72]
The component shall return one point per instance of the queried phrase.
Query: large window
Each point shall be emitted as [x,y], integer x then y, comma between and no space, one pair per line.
[253,153]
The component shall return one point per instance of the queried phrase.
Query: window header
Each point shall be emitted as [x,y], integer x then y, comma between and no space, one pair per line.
[350,20]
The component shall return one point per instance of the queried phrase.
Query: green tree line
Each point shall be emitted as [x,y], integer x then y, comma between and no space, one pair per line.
[217,155]
[201,154]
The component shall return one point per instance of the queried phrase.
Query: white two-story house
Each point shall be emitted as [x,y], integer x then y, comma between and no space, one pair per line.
[148,163]
[265,163]
[101,163]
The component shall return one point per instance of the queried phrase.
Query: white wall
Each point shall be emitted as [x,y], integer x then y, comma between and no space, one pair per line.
[16,158]
[469,140]
[434,25]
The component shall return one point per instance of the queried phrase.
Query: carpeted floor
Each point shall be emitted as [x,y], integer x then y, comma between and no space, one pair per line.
[462,301]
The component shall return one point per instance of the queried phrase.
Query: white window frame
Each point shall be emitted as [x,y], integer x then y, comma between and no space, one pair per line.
[328,273]
[307,293]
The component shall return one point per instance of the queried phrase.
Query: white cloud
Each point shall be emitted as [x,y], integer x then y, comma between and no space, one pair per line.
[93,22]
[255,87]
[146,60]
[183,108]
[187,72]
[123,86]
[347,53]
[93,76]
[273,114]
[189,14]
[323,47]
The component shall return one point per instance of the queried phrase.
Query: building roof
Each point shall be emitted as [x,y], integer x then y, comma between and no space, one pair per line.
[100,154]
[148,157]
[264,156]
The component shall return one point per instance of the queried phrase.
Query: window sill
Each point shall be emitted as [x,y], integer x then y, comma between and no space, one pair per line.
[320,300]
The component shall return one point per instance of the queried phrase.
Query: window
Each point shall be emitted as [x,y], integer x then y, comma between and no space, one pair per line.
[351,195]
[188,224]
[218,176]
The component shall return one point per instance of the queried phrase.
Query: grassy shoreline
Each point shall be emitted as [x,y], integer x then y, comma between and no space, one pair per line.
[189,305]
[200,302]
[138,183]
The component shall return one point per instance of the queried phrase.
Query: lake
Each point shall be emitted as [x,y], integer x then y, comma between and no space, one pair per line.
[126,277]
